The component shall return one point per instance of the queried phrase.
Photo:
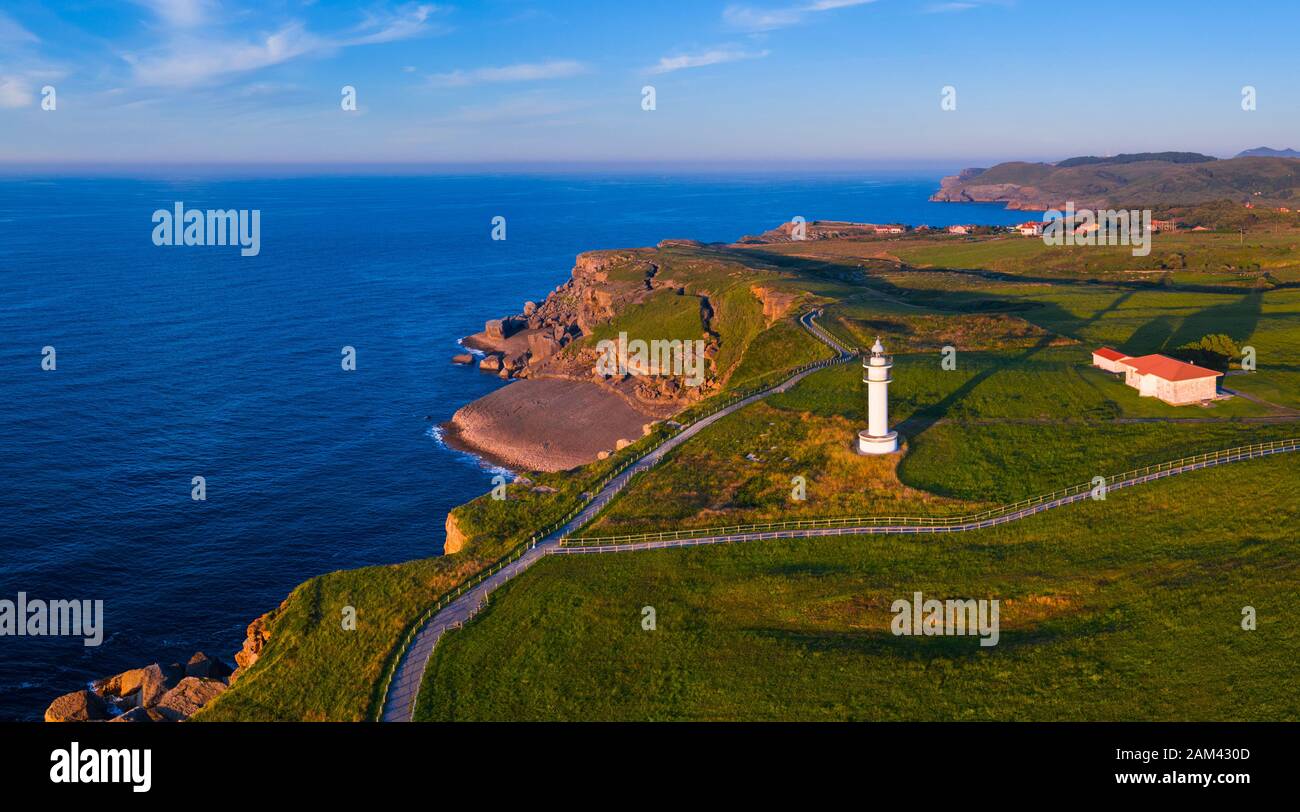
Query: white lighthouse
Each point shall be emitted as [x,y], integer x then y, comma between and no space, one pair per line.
[877,439]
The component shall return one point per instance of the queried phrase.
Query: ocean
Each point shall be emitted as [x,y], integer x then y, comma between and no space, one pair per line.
[181,362]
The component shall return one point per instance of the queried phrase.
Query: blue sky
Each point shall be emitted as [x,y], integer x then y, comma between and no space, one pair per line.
[779,82]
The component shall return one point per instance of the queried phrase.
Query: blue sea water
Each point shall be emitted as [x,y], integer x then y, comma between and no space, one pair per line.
[175,362]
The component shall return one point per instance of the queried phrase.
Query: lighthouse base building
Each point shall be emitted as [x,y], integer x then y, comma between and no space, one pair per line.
[868,443]
[877,438]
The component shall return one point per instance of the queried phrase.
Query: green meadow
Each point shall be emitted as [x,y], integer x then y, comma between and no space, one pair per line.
[1127,609]
[1124,609]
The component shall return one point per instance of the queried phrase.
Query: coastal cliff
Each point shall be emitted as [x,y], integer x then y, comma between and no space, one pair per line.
[1142,179]
[565,410]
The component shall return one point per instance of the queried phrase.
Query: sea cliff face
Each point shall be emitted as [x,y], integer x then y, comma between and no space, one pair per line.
[955,189]
[602,285]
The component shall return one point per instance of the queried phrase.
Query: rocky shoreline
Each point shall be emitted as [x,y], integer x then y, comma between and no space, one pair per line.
[562,412]
[559,414]
[160,693]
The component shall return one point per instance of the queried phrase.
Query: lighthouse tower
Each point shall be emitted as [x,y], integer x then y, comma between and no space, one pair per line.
[877,439]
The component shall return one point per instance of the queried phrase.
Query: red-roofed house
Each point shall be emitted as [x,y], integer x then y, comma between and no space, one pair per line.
[1108,359]
[1173,381]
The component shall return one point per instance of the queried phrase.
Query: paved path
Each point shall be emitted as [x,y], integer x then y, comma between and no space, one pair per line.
[399,703]
[915,529]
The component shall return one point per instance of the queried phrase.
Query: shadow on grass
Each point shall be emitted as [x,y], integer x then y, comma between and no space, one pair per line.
[927,649]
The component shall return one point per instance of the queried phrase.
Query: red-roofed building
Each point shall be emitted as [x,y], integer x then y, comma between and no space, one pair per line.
[1108,359]
[1173,381]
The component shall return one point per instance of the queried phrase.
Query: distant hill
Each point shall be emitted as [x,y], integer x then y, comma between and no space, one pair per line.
[1268,152]
[1146,179]
[1136,157]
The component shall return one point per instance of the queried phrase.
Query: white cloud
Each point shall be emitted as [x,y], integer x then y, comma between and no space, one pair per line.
[188,60]
[179,13]
[716,56]
[522,72]
[15,92]
[749,18]
[409,21]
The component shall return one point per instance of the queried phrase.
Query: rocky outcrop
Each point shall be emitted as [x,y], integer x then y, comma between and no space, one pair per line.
[139,686]
[255,639]
[602,283]
[141,694]
[201,665]
[78,706]
[455,538]
[776,303]
[189,695]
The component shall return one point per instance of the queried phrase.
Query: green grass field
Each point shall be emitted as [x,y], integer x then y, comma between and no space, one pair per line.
[1119,610]
[1125,609]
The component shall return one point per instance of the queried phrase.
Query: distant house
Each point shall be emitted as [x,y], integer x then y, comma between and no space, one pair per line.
[960,229]
[1164,225]
[891,229]
[1030,229]
[1108,359]
[1159,376]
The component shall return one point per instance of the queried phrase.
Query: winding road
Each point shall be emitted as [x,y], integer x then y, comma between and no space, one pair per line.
[399,703]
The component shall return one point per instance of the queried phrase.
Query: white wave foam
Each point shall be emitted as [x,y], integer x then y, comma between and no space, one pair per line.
[436,433]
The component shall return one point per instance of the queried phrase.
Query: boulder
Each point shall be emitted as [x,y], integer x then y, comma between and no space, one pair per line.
[201,665]
[515,361]
[462,358]
[490,363]
[140,715]
[529,307]
[622,444]
[145,686]
[78,706]
[502,328]
[541,345]
[188,696]
[139,686]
